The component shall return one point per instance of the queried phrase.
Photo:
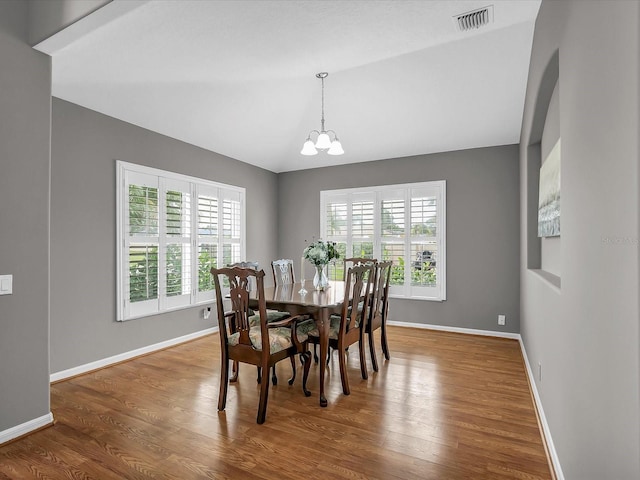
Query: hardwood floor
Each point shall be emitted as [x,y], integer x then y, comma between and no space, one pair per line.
[446,406]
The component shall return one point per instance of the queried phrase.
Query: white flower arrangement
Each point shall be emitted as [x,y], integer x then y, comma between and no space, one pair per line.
[320,253]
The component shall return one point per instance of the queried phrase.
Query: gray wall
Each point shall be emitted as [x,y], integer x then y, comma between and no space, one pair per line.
[25,104]
[585,335]
[47,17]
[482,228]
[85,145]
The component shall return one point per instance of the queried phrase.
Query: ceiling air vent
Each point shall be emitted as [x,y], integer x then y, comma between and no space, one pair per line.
[474,19]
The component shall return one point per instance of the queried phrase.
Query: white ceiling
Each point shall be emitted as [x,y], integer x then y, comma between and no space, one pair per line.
[238,77]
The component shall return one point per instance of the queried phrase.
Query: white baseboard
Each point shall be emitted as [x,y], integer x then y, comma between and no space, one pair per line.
[470,331]
[26,427]
[105,362]
[546,431]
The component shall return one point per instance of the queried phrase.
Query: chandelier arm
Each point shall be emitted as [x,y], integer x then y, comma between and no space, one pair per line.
[335,135]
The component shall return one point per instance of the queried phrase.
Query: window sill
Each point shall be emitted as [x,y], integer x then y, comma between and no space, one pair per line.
[553,280]
[427,299]
[169,310]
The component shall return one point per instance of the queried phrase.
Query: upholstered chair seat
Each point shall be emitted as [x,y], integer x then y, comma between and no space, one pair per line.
[272,316]
[279,337]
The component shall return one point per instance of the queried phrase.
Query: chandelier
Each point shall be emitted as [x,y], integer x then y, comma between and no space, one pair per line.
[323,142]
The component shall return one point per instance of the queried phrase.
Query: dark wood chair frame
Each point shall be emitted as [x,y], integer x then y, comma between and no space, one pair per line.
[353,321]
[237,321]
[348,262]
[274,377]
[378,310]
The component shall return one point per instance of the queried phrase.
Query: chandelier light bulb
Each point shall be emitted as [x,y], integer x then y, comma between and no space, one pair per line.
[336,148]
[323,142]
[308,148]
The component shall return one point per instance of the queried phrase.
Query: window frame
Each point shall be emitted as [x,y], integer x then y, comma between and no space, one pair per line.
[194,187]
[403,193]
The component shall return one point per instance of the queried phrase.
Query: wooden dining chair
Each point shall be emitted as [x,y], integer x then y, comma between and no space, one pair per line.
[283,272]
[272,316]
[378,310]
[348,262]
[245,338]
[349,327]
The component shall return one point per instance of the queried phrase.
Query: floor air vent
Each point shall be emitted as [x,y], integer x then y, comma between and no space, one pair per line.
[474,19]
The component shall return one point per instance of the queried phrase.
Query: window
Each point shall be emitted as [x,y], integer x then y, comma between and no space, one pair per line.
[171,230]
[403,223]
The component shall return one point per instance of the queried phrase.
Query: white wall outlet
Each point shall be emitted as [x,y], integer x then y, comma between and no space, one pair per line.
[6,284]
[502,319]
[207,313]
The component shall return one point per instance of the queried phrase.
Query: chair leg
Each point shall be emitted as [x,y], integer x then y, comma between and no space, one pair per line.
[315,352]
[224,380]
[264,397]
[385,345]
[372,351]
[274,377]
[363,359]
[293,368]
[306,362]
[343,372]
[236,367]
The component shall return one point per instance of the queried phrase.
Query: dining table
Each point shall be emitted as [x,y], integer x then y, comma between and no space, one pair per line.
[295,299]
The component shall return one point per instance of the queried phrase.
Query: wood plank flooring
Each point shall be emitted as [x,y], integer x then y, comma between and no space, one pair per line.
[446,406]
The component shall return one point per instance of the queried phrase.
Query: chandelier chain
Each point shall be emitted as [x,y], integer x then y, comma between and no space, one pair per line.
[322,119]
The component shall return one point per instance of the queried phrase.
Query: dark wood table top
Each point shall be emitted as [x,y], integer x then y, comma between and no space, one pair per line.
[290,295]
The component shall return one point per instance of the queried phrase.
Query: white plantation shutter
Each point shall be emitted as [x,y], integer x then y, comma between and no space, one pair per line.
[176,243]
[171,230]
[424,241]
[334,220]
[393,218]
[142,243]
[362,224]
[207,241]
[424,245]
[402,223]
[231,228]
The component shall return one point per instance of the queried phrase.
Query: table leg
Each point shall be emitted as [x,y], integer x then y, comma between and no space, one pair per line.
[323,329]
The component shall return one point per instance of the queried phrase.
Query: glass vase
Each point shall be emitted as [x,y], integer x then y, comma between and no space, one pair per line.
[320,279]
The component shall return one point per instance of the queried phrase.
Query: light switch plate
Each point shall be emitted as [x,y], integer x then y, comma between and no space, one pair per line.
[6,284]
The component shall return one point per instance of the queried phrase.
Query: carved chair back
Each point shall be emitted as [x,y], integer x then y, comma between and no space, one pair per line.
[354,261]
[283,272]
